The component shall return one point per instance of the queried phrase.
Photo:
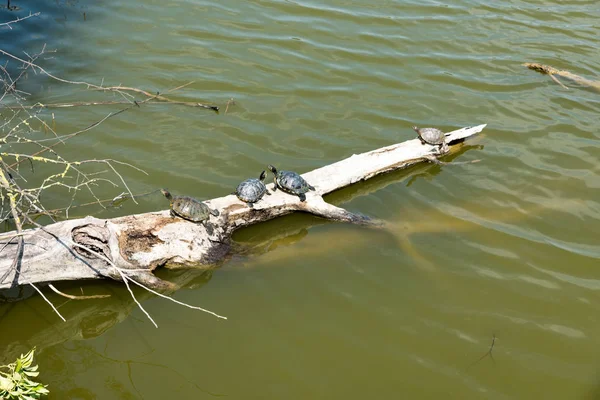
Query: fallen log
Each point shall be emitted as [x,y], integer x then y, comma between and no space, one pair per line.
[133,246]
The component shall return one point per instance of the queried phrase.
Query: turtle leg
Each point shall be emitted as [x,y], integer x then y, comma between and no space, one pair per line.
[267,192]
[210,228]
[215,212]
[434,160]
[250,205]
[302,197]
[275,185]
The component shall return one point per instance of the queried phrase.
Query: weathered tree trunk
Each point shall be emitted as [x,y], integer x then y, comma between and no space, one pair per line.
[135,245]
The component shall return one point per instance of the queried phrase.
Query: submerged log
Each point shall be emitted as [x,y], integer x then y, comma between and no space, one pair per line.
[551,72]
[136,245]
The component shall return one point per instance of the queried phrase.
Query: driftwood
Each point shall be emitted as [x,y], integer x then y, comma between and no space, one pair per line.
[135,245]
[551,72]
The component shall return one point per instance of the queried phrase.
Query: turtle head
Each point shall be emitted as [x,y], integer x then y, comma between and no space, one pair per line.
[416,129]
[272,169]
[166,193]
[263,175]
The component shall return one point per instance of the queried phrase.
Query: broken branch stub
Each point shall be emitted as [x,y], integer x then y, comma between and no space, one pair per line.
[135,245]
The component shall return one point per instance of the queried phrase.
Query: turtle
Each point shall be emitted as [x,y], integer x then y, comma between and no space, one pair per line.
[290,182]
[189,208]
[252,190]
[432,136]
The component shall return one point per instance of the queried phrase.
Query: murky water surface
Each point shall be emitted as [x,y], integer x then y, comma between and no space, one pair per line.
[506,247]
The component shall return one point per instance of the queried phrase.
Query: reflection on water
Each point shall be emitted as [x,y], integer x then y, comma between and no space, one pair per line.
[505,246]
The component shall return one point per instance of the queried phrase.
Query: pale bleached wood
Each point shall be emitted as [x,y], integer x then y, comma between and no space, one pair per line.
[138,244]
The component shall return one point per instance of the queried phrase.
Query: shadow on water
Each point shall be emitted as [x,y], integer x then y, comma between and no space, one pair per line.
[85,319]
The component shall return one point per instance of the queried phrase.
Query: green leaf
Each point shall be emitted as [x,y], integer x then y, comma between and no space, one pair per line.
[17,385]
[34,368]
[28,359]
[18,365]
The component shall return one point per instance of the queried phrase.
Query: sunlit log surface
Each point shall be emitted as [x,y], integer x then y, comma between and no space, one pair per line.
[92,248]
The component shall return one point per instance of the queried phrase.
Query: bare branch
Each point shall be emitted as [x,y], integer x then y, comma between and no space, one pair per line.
[47,301]
[177,301]
[8,24]
[72,297]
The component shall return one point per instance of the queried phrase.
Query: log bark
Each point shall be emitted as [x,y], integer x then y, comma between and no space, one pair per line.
[92,248]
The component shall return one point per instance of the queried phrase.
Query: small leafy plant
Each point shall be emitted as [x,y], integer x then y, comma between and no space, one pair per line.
[16,383]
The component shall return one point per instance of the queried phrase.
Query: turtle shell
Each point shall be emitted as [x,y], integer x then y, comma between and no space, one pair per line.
[430,135]
[291,182]
[251,190]
[191,209]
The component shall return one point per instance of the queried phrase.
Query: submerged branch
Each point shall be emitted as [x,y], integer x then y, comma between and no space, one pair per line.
[551,71]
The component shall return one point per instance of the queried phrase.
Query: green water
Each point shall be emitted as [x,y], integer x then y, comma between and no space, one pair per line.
[506,247]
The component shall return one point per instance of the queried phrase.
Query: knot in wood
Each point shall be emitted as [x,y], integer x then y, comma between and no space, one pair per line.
[92,240]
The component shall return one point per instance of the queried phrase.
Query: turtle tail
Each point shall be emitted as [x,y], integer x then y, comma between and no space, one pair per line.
[214,212]
[311,187]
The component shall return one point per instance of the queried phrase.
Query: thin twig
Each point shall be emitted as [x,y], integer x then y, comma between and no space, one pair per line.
[489,352]
[108,103]
[19,19]
[125,279]
[157,96]
[69,136]
[181,87]
[177,301]
[91,203]
[31,64]
[15,213]
[73,297]
[557,81]
[230,101]
[47,301]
